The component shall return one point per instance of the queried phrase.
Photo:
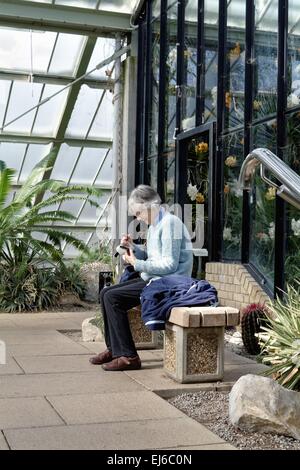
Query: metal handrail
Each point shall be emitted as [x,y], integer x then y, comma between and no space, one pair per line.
[289,188]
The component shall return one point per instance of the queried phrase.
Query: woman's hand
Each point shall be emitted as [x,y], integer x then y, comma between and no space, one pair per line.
[129,258]
[126,240]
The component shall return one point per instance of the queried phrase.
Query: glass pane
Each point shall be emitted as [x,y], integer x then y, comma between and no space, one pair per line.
[233,148]
[211,11]
[292,261]
[103,124]
[66,54]
[104,48]
[211,59]
[170,104]
[83,112]
[198,185]
[78,3]
[88,165]
[294,55]
[156,5]
[90,214]
[265,50]
[12,154]
[72,206]
[152,172]
[15,50]
[154,90]
[120,6]
[4,93]
[65,162]
[49,114]
[105,174]
[23,97]
[52,207]
[34,155]
[190,66]
[262,217]
[170,178]
[235,79]
[69,250]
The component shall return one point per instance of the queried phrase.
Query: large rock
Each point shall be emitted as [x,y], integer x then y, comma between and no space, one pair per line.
[90,332]
[260,404]
[90,274]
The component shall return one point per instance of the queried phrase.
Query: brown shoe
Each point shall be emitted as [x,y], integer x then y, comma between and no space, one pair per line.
[123,363]
[102,358]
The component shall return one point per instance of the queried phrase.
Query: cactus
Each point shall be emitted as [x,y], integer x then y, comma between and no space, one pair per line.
[252,318]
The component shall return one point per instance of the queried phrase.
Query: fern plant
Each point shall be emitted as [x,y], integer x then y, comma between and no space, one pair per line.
[25,284]
[24,215]
[280,339]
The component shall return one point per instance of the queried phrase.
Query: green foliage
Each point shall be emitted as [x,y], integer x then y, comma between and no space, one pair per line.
[25,214]
[26,284]
[101,254]
[280,340]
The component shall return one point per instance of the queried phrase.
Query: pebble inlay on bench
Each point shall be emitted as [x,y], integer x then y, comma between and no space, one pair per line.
[194,342]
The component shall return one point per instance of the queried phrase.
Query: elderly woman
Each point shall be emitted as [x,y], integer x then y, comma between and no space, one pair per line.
[168,251]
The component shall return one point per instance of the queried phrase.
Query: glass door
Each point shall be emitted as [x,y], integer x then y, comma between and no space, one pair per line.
[195,183]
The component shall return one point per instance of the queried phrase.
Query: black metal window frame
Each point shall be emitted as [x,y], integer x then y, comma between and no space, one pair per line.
[249,120]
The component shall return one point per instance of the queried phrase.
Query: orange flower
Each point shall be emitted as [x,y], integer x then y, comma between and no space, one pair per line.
[226,189]
[231,161]
[228,99]
[202,147]
[200,198]
[236,51]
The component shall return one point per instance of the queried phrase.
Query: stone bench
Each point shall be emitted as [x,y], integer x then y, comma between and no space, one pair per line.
[194,342]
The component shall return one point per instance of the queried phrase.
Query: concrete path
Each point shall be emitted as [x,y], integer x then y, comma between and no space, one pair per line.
[51,397]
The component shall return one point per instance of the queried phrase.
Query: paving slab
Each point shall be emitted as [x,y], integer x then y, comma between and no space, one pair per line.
[48,349]
[3,443]
[48,324]
[11,367]
[112,407]
[50,364]
[156,380]
[28,412]
[6,324]
[143,434]
[66,384]
[230,358]
[93,347]
[26,337]
[233,372]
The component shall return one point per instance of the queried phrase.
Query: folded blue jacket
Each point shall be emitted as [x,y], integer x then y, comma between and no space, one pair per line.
[161,295]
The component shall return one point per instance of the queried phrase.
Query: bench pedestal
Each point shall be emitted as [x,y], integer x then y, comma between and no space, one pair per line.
[142,336]
[194,343]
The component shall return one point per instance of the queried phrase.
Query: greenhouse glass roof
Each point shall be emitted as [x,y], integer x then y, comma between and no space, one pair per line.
[36,64]
[120,6]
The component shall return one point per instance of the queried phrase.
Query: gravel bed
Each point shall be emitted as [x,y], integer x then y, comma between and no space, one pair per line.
[211,410]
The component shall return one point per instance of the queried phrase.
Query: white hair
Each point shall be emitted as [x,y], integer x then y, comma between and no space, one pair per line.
[141,198]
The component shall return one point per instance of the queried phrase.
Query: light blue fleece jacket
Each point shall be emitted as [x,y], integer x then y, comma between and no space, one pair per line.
[168,250]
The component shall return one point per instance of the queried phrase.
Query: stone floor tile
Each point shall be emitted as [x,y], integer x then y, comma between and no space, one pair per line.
[234,372]
[143,434]
[66,384]
[47,349]
[28,412]
[11,367]
[230,358]
[112,407]
[3,443]
[51,364]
